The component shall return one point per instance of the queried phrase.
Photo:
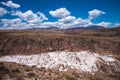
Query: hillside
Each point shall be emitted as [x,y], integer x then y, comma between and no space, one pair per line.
[21,72]
[60,54]
[40,41]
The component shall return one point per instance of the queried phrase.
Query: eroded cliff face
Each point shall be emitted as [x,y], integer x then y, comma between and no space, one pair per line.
[37,42]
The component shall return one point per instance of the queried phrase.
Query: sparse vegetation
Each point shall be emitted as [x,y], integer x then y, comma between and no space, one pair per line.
[37,41]
[69,77]
[106,41]
[31,74]
[19,72]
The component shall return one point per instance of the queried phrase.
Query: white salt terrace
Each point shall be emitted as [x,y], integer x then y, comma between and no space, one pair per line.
[83,61]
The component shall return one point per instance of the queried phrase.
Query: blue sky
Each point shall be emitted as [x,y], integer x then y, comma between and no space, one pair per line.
[22,14]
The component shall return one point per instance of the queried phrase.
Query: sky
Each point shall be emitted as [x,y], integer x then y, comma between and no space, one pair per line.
[24,14]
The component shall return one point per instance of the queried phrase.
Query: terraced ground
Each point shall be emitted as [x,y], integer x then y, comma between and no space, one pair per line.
[36,42]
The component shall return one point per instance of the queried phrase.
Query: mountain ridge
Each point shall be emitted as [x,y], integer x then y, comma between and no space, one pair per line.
[91,27]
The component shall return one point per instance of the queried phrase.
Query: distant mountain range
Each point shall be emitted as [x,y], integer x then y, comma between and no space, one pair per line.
[49,28]
[92,27]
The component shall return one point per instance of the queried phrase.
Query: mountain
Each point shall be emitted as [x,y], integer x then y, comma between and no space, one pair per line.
[77,28]
[49,28]
[92,27]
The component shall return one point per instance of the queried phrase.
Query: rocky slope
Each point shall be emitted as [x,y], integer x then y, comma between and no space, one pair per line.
[13,71]
[36,41]
[78,52]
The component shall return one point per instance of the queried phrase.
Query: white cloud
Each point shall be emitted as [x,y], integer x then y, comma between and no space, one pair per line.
[60,13]
[16,24]
[31,17]
[76,22]
[117,24]
[105,24]
[11,4]
[67,19]
[49,24]
[42,16]
[11,23]
[26,20]
[68,22]
[79,22]
[95,13]
[82,22]
[3,11]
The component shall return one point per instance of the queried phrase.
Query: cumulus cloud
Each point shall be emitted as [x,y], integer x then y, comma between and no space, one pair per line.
[60,13]
[78,22]
[117,24]
[25,20]
[28,16]
[11,4]
[31,17]
[42,16]
[17,23]
[67,19]
[3,11]
[95,13]
[61,23]
[105,24]
[11,23]
[49,24]
[82,22]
